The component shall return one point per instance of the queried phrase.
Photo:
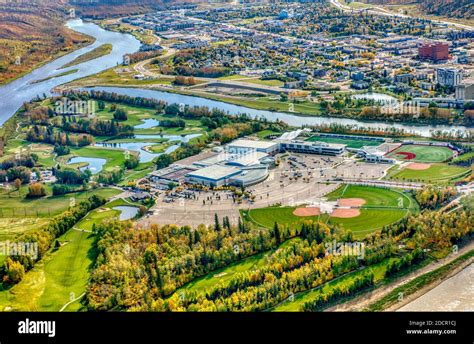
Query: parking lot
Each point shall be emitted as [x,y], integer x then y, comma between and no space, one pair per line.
[299,179]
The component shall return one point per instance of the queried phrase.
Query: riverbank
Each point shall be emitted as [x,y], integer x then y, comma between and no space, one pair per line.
[40,81]
[389,295]
[450,274]
[85,41]
[297,107]
[292,119]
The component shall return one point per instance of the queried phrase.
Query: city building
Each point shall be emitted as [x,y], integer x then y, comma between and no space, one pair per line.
[448,76]
[465,91]
[434,52]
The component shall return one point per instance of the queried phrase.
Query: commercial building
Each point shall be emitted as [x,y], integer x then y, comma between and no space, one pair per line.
[322,148]
[244,146]
[434,52]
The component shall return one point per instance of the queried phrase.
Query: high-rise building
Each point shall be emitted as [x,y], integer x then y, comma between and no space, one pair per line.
[448,76]
[434,51]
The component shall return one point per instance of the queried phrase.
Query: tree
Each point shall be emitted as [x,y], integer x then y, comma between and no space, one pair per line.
[18,184]
[36,190]
[120,115]
[14,271]
[276,234]
[217,225]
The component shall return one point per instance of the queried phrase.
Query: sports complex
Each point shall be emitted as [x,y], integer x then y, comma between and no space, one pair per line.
[360,209]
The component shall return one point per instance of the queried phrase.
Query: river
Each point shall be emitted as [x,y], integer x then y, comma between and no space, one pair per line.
[293,120]
[14,94]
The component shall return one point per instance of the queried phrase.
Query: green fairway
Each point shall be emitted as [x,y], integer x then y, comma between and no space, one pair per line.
[351,143]
[115,157]
[61,276]
[435,173]
[136,116]
[423,153]
[383,207]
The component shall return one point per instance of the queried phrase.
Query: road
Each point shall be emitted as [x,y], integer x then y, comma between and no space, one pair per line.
[366,299]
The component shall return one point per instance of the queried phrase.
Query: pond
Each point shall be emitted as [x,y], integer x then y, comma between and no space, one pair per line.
[126,212]
[144,155]
[95,165]
[148,123]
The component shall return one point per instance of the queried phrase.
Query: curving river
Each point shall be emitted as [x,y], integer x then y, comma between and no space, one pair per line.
[293,120]
[14,94]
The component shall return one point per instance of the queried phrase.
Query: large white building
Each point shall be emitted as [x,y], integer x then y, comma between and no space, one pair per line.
[244,146]
[322,148]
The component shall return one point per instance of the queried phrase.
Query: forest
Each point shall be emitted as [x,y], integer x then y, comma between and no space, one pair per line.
[146,269]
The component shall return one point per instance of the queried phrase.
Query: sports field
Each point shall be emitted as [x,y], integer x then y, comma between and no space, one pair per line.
[382,207]
[351,143]
[436,173]
[418,153]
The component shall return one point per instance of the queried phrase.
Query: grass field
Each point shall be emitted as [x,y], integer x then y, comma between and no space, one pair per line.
[350,143]
[60,276]
[115,158]
[383,207]
[423,153]
[63,274]
[18,215]
[437,173]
